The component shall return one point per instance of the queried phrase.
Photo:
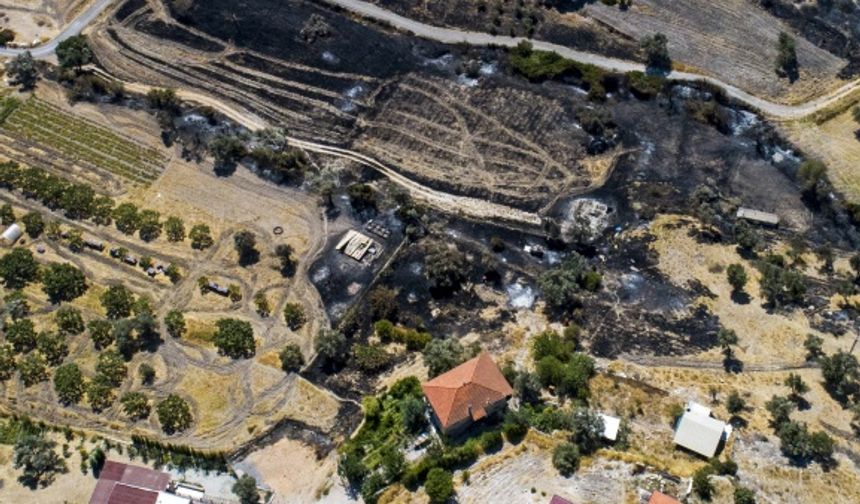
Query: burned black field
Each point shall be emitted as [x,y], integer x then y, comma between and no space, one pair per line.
[460,121]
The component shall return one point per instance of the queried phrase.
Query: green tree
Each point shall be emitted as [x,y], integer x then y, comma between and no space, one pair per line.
[15,305]
[813,346]
[101,333]
[174,414]
[7,362]
[656,49]
[841,373]
[245,244]
[735,404]
[445,268]
[112,367]
[746,237]
[69,320]
[174,227]
[33,369]
[702,485]
[21,334]
[727,338]
[294,316]
[780,409]
[550,342]
[126,218]
[744,496]
[38,460]
[227,150]
[565,458]
[439,485]
[201,237]
[149,225]
[18,268]
[74,52]
[441,355]
[797,386]
[383,303]
[52,346]
[587,429]
[812,176]
[100,394]
[577,372]
[22,69]
[737,277]
[284,254]
[330,344]
[135,405]
[264,308]
[69,383]
[174,321]
[7,215]
[63,282]
[786,59]
[361,196]
[117,301]
[527,387]
[235,338]
[146,373]
[245,488]
[33,224]
[173,273]
[292,359]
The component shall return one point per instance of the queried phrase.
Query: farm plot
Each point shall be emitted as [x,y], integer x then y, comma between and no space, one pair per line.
[83,142]
[732,39]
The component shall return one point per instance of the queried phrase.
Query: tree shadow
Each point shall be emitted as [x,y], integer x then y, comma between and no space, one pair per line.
[732,364]
[226,168]
[741,297]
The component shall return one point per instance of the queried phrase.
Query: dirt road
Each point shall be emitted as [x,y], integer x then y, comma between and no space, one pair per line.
[455,36]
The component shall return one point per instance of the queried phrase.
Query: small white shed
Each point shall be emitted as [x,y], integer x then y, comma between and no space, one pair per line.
[12,234]
[611,425]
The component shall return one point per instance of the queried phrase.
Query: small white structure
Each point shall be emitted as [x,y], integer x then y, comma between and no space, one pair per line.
[355,245]
[611,425]
[698,432]
[12,234]
[168,498]
[757,216]
[189,490]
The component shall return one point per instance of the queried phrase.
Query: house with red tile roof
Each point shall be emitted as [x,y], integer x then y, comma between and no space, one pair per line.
[126,484]
[661,498]
[467,394]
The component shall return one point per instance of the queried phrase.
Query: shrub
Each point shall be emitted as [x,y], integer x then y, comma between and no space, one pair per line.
[565,458]
[439,485]
[292,359]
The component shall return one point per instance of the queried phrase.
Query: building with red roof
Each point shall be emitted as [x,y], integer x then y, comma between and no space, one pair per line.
[467,394]
[661,498]
[558,500]
[126,484]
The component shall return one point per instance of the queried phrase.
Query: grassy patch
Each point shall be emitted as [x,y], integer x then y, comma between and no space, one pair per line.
[200,333]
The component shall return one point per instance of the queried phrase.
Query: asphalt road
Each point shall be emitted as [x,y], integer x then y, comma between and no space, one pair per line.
[72,29]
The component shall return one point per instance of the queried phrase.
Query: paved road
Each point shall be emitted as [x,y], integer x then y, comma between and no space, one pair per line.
[455,36]
[72,29]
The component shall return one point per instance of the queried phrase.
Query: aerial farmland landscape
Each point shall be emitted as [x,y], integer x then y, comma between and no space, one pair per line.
[453,251]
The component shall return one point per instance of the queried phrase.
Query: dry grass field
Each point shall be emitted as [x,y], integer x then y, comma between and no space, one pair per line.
[732,39]
[834,141]
[38,19]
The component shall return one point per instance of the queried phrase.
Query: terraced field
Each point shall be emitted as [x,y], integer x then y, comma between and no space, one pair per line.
[80,141]
[493,142]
